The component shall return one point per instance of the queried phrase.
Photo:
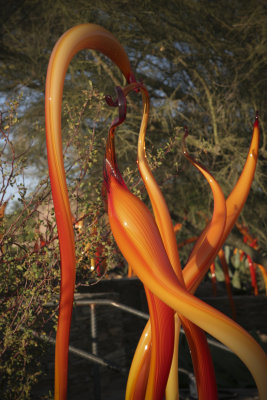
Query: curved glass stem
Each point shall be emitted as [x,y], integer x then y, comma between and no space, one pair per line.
[85,36]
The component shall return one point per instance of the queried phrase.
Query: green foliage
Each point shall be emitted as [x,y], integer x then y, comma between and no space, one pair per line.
[28,275]
[29,251]
[239,272]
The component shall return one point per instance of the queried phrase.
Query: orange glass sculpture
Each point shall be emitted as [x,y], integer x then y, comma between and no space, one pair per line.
[80,37]
[148,244]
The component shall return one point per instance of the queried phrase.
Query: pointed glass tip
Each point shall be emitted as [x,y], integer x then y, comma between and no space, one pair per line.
[256,118]
[186,133]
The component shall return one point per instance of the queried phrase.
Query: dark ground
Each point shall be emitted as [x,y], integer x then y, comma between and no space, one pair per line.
[117,336]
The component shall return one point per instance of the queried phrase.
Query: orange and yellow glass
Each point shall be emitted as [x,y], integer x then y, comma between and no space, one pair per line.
[86,36]
[149,245]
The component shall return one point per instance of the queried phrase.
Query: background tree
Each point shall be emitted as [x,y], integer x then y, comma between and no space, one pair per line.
[204,65]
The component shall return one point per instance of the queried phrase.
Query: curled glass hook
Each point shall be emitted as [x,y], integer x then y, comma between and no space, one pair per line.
[121,103]
[110,163]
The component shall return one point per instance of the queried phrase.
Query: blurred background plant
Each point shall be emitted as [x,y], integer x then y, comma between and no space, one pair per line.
[204,67]
[28,275]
